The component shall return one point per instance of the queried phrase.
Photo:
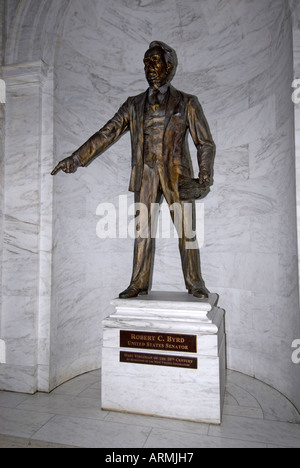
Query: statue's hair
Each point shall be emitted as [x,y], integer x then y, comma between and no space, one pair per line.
[170,55]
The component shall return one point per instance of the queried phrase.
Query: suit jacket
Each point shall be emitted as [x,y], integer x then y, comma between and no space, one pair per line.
[184,114]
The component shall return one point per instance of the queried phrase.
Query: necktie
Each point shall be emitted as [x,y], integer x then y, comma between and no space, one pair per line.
[154,98]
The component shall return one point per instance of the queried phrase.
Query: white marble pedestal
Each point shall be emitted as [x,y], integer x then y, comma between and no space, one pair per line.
[164,355]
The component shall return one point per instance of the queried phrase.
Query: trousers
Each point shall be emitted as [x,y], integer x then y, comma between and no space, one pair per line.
[153,187]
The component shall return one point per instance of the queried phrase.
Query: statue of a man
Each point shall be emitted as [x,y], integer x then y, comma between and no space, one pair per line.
[159,121]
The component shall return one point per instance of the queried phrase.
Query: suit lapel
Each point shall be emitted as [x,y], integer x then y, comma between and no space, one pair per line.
[140,109]
[139,120]
[172,106]
[137,130]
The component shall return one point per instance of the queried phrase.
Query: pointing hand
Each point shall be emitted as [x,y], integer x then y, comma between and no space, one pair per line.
[68,165]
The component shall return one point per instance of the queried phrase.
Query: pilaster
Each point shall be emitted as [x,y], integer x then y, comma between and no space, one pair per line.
[27,227]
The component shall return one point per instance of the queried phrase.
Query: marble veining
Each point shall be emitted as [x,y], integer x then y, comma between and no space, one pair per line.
[76,63]
[194,394]
[254,416]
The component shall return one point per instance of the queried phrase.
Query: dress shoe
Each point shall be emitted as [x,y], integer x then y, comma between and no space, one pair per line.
[200,293]
[133,291]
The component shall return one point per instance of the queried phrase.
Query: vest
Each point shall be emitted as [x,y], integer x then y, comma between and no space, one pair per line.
[154,126]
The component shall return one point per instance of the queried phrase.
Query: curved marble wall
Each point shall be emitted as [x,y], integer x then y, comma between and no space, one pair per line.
[237,57]
[2,110]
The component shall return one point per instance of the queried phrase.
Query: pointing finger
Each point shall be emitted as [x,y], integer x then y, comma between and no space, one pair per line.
[57,168]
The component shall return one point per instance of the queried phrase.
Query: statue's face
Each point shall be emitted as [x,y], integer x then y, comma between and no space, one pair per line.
[156,69]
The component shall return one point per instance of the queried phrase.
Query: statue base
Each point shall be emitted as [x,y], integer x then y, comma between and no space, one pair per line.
[164,355]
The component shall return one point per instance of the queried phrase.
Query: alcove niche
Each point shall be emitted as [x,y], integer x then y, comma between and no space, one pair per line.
[67,67]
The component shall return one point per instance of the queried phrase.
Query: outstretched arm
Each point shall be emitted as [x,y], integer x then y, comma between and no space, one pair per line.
[98,143]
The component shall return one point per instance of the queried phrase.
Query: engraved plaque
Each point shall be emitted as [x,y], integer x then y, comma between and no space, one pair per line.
[162,341]
[158,360]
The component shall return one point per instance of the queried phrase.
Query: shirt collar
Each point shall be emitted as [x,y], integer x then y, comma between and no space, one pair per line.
[163,89]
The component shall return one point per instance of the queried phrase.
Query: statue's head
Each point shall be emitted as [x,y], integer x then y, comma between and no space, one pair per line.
[160,64]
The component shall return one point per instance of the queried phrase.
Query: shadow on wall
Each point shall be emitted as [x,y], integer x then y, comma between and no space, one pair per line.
[244,53]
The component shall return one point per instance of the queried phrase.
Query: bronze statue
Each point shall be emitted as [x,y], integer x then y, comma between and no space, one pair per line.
[159,121]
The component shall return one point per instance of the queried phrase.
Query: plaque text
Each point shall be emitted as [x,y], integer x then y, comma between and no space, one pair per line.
[158,360]
[162,341]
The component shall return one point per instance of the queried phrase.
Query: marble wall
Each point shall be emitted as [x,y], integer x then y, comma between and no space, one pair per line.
[23,226]
[2,109]
[295,6]
[237,57]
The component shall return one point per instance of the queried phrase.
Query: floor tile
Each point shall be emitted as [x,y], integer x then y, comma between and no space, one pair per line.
[255,416]
[94,391]
[11,400]
[77,385]
[242,396]
[162,423]
[21,423]
[162,439]
[20,442]
[64,405]
[248,412]
[256,430]
[273,404]
[92,433]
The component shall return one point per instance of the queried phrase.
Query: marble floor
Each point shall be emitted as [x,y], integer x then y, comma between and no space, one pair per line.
[255,416]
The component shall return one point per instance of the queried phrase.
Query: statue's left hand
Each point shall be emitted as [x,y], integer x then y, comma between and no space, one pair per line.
[204,179]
